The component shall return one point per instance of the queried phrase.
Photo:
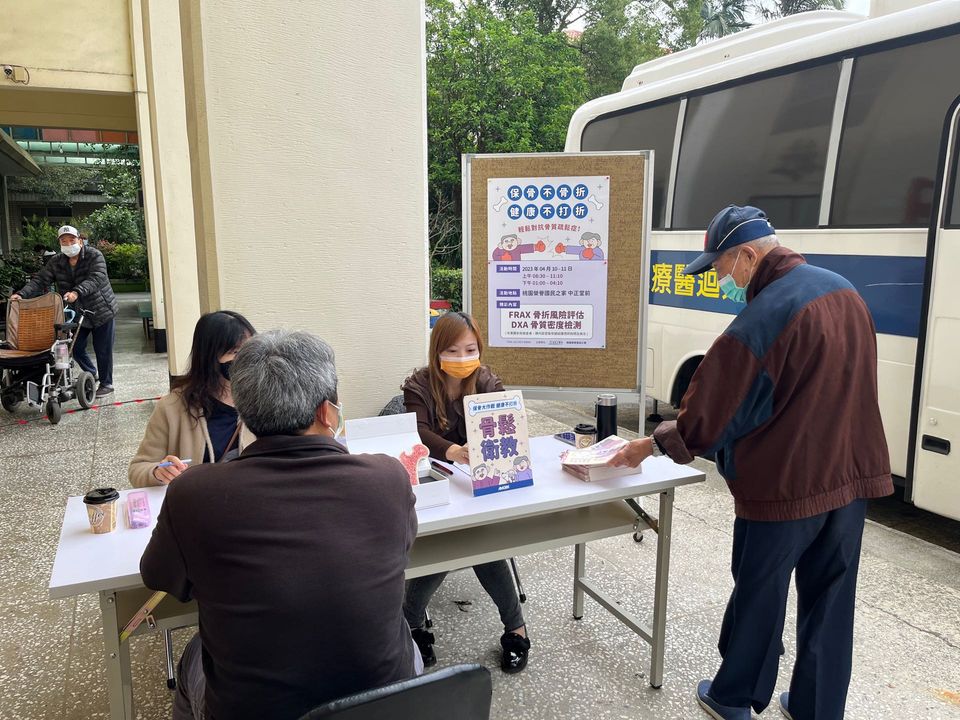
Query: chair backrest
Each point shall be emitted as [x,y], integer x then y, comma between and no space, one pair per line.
[394,407]
[30,322]
[462,692]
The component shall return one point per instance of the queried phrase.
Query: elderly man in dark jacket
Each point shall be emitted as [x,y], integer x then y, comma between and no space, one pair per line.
[786,398]
[80,273]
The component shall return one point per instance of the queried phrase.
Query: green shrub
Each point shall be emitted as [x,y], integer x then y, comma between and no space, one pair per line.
[16,268]
[116,223]
[125,260]
[38,232]
[447,284]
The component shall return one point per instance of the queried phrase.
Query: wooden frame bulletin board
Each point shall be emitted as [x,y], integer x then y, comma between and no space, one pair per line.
[570,373]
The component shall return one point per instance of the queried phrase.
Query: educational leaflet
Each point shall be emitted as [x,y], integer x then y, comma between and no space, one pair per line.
[547,256]
[590,463]
[499,441]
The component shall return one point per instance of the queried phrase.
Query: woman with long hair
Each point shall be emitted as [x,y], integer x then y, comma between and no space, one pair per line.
[196,421]
[435,393]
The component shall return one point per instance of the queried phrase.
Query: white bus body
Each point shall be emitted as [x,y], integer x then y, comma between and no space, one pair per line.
[835,125]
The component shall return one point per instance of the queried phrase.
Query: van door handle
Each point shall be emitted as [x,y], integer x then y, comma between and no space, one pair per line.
[935,444]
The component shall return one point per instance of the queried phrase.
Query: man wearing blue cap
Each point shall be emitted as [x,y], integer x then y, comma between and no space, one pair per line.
[786,399]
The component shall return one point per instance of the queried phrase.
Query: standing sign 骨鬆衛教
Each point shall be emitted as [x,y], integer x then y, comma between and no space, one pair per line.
[547,259]
[499,441]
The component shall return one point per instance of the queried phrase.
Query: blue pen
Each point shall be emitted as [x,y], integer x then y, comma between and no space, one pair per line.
[169,463]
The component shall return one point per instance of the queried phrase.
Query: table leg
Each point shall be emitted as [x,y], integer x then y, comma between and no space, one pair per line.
[660,588]
[579,570]
[117,655]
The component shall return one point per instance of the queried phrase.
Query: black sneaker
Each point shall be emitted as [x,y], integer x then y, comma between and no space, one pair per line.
[425,641]
[515,651]
[103,391]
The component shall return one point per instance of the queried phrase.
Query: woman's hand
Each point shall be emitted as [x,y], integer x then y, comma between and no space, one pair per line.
[458,454]
[166,474]
[633,453]
[70,296]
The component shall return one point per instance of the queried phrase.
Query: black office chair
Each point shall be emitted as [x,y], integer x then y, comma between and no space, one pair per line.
[461,691]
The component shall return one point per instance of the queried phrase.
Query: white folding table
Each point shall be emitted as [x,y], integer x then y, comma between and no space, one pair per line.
[559,510]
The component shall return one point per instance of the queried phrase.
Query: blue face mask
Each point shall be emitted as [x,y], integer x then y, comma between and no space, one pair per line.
[729,287]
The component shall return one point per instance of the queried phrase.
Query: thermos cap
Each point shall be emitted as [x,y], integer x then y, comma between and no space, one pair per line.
[606,399]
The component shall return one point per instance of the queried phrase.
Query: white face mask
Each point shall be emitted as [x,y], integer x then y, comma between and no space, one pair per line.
[70,250]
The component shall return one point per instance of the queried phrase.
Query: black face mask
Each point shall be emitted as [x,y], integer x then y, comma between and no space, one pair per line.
[225,369]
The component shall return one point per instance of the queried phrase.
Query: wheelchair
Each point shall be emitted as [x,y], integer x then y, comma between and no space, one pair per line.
[36,361]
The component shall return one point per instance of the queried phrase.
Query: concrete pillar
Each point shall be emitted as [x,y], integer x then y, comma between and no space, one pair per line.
[148,177]
[165,160]
[309,144]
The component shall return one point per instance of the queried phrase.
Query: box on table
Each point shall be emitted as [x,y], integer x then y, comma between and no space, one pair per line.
[397,436]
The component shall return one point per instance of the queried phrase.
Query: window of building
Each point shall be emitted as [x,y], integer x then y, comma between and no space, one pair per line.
[642,129]
[763,143]
[891,134]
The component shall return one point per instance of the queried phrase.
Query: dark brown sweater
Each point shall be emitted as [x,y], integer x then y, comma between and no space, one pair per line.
[787,397]
[295,554]
[418,399]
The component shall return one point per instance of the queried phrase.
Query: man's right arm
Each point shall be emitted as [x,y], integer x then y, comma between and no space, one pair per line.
[38,284]
[163,566]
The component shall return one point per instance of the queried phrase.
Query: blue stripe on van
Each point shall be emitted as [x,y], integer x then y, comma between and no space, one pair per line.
[892,286]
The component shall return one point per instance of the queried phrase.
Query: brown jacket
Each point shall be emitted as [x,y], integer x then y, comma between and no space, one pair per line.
[295,554]
[787,397]
[418,399]
[172,430]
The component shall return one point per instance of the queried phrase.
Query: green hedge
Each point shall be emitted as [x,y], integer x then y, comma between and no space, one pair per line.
[447,284]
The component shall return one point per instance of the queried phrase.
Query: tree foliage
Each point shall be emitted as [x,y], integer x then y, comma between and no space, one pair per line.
[116,224]
[57,183]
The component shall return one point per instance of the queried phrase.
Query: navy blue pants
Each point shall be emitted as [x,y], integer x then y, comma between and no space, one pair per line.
[825,552]
[103,338]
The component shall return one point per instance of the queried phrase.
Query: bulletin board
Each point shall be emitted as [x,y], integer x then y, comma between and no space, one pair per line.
[618,365]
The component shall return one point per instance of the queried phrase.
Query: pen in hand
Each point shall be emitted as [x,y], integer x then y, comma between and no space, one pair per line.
[185,461]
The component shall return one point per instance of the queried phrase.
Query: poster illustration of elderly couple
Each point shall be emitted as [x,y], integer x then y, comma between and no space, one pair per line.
[547,261]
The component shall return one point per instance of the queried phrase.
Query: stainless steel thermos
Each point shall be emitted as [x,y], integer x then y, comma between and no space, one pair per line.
[606,412]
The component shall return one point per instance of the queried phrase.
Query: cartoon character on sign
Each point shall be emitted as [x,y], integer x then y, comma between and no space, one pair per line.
[522,469]
[482,477]
[589,247]
[511,250]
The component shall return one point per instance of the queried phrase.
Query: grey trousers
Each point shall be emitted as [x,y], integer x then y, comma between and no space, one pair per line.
[496,579]
[188,703]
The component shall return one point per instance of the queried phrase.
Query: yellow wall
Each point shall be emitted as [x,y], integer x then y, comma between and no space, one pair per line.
[68,44]
[314,126]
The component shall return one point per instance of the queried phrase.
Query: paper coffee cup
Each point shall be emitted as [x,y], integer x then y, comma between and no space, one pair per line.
[585,435]
[102,506]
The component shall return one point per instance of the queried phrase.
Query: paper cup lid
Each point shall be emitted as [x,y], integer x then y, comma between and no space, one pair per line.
[101,496]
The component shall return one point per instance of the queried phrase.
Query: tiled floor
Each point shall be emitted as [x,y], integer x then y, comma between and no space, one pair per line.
[908,628]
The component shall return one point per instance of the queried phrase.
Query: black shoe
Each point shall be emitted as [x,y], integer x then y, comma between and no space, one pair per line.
[103,391]
[424,641]
[515,651]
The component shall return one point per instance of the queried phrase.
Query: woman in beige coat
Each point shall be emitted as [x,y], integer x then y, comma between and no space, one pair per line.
[196,422]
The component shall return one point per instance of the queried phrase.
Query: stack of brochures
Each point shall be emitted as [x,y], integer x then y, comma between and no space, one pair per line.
[590,463]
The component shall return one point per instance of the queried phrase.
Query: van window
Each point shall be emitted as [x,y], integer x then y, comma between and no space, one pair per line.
[763,143]
[641,129]
[891,134]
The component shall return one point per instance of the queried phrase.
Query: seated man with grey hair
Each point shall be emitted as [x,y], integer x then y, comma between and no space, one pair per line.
[295,552]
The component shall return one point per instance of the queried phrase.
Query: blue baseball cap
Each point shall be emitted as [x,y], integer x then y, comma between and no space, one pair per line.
[732,226]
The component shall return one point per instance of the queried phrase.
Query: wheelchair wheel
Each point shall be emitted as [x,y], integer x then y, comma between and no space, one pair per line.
[85,388]
[54,411]
[8,401]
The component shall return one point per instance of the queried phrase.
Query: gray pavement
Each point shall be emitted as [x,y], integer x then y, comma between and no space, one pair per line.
[907,661]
